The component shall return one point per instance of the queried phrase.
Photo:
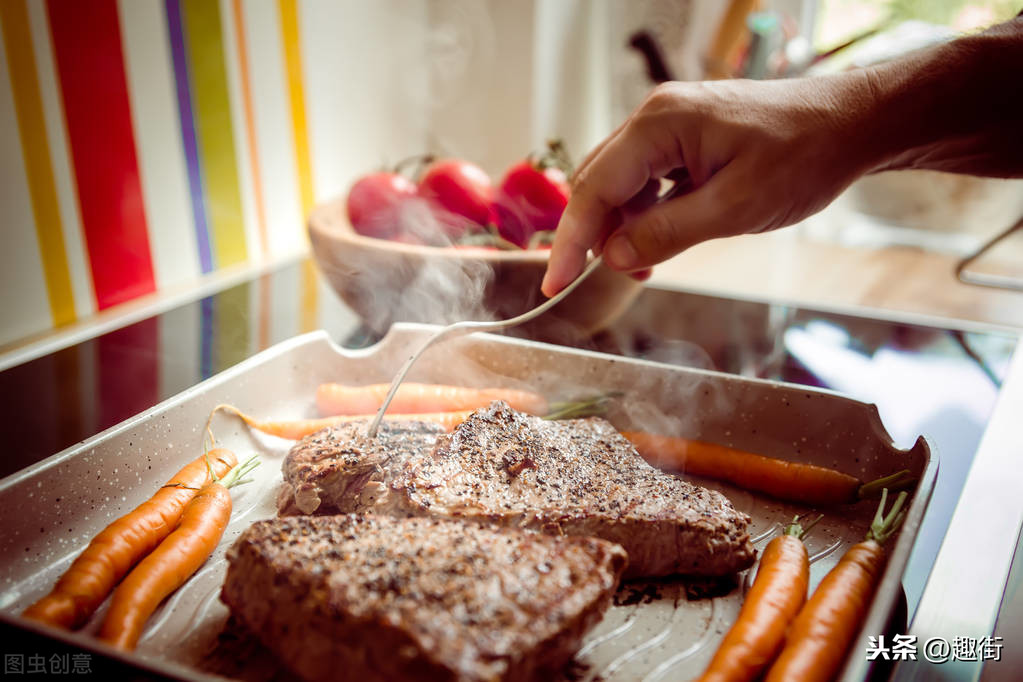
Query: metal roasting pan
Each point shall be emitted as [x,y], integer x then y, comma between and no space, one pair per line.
[50,511]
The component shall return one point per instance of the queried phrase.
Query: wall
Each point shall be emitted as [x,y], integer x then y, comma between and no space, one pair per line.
[148,144]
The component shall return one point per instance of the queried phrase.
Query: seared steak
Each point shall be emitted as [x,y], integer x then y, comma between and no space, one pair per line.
[378,597]
[339,469]
[576,477]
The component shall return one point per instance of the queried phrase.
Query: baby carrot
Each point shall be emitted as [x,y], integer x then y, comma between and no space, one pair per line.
[300,428]
[112,553]
[793,481]
[173,562]
[775,598]
[822,632]
[413,398]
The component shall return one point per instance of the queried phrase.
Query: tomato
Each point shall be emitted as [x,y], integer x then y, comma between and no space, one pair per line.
[530,199]
[374,203]
[461,192]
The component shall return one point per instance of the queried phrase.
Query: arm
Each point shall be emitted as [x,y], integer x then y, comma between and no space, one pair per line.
[766,154]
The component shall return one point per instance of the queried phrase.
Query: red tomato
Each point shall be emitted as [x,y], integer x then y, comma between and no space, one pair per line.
[461,189]
[374,203]
[530,199]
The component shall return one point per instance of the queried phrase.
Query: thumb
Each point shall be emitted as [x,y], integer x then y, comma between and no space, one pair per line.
[669,228]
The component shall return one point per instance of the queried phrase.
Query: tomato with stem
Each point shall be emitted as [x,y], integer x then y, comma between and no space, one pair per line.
[532,196]
[375,203]
[461,194]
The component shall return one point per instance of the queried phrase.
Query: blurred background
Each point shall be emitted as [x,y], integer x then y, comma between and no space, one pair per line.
[150,147]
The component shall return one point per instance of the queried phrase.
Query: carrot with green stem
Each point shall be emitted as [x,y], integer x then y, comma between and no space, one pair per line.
[297,429]
[826,626]
[119,546]
[777,594]
[300,428]
[414,398]
[174,561]
[793,481]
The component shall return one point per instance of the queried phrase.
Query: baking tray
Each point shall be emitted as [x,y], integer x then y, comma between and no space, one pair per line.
[655,631]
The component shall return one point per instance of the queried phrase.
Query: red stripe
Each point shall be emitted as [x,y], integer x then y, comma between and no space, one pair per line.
[129,372]
[87,44]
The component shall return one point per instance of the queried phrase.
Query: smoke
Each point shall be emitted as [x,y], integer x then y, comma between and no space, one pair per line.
[428,281]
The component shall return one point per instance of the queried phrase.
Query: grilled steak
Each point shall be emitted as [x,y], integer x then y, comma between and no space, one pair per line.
[377,597]
[340,470]
[577,477]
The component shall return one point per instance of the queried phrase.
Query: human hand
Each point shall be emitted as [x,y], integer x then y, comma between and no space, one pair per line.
[760,155]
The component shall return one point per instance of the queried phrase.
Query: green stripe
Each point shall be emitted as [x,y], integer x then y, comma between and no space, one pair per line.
[212,107]
[231,321]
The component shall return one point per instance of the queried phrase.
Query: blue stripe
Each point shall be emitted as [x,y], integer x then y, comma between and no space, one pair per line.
[177,42]
[207,329]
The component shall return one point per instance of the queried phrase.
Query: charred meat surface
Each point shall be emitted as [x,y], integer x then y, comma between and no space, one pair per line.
[576,477]
[378,597]
[503,467]
[339,469]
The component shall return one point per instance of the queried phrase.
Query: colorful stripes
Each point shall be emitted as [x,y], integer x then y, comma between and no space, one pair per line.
[36,150]
[296,97]
[207,132]
[188,133]
[90,66]
[215,133]
[250,124]
[166,98]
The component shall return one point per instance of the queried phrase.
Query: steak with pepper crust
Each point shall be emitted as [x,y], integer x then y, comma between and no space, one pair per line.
[377,597]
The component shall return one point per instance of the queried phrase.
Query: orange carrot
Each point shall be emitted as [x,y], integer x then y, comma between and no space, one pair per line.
[112,553]
[775,598]
[173,562]
[412,398]
[793,481]
[300,428]
[826,626]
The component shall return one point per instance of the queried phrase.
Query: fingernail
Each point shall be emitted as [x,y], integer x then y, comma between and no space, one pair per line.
[619,253]
[545,284]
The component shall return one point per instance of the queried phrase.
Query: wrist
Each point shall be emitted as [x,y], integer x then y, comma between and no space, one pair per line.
[931,108]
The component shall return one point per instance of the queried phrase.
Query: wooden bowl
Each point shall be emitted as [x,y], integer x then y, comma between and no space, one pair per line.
[388,281]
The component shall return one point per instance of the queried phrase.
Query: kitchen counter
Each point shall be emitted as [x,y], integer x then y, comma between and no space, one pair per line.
[943,365]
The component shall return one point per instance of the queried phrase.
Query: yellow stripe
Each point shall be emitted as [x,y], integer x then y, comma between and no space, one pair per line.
[296,94]
[36,151]
[309,309]
[232,338]
[214,129]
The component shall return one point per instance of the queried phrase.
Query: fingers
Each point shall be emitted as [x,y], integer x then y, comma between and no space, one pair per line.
[642,275]
[599,148]
[617,174]
[671,227]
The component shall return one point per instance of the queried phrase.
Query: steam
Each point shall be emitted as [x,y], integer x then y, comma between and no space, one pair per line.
[430,285]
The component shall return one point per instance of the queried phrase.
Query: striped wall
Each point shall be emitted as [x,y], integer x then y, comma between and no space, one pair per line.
[147,143]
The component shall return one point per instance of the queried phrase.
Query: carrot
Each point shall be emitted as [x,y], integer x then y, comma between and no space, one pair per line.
[112,553]
[174,561]
[300,428]
[826,626]
[775,598]
[412,398]
[792,481]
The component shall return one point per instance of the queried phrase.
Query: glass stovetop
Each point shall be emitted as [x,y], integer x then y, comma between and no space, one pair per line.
[925,379]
